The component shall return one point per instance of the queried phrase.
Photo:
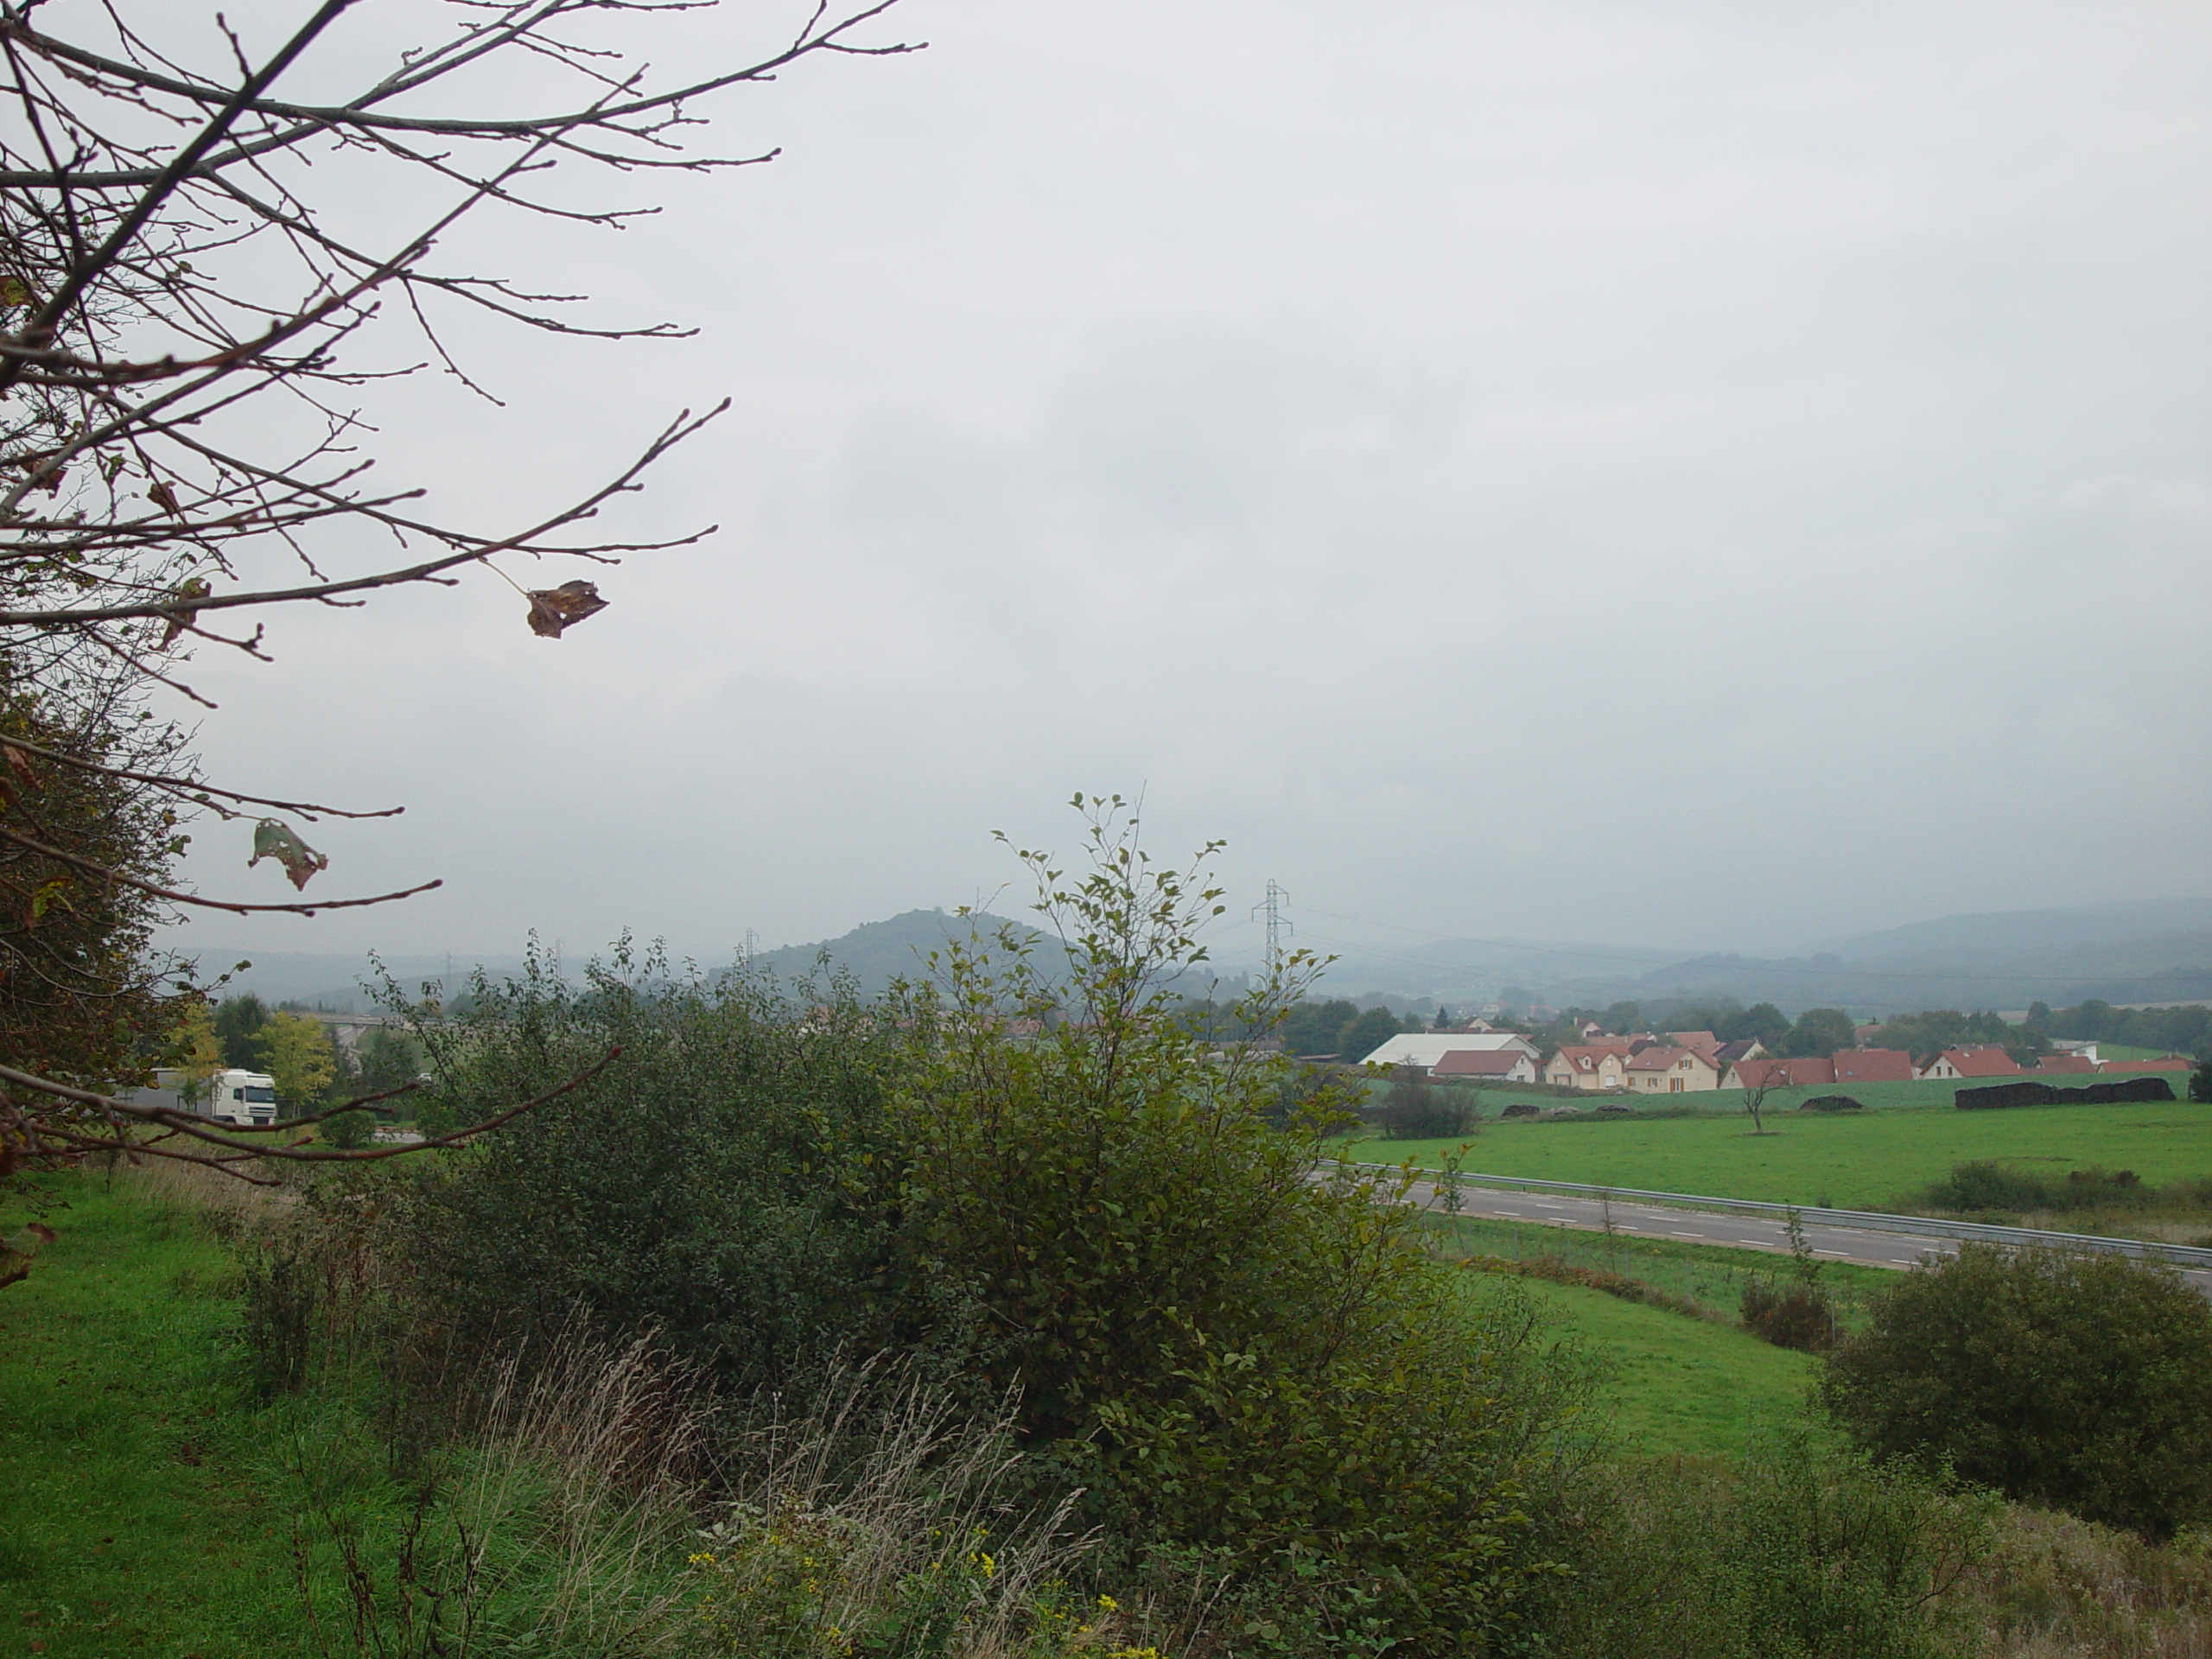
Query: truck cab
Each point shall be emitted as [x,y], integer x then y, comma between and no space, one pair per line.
[247,1099]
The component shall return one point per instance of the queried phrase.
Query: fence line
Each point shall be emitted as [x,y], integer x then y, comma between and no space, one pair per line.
[2183,1255]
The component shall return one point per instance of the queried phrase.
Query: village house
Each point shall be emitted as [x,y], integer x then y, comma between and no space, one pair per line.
[1976,1062]
[1796,1071]
[1664,1069]
[1588,1066]
[1873,1066]
[2075,1064]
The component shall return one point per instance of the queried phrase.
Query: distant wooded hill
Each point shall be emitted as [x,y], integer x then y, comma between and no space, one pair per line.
[875,953]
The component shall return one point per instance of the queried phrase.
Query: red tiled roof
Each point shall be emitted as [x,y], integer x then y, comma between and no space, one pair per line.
[2168,1065]
[1754,1074]
[1478,1063]
[1981,1062]
[1657,1059]
[2066,1063]
[1873,1066]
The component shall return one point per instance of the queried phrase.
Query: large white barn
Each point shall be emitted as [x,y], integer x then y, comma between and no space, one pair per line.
[1424,1048]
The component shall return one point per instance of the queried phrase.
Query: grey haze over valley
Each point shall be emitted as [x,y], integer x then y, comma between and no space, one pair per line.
[1698,481]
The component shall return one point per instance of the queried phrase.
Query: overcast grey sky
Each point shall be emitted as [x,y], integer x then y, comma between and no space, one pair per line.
[1693,473]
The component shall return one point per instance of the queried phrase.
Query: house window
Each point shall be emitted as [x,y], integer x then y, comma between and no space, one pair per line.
[1677,1082]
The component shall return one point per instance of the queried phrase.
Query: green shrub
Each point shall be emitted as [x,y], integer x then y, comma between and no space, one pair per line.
[1225,1353]
[2079,1381]
[1981,1185]
[278,1316]
[724,1181]
[1799,1551]
[349,1130]
[1414,1110]
[1797,1316]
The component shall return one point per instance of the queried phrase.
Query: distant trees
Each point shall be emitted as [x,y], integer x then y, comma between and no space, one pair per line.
[240,1022]
[388,1059]
[1820,1032]
[1366,1033]
[1731,1022]
[1313,1028]
[2079,1381]
[2185,1031]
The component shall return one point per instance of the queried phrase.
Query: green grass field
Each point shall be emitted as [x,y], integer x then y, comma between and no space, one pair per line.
[135,1514]
[1673,1383]
[1847,1160]
[1711,1275]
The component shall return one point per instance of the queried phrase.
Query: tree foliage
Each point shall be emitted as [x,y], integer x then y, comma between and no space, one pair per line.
[1227,1353]
[299,1060]
[83,994]
[1030,1174]
[1820,1032]
[2079,1381]
[1365,1032]
[727,1182]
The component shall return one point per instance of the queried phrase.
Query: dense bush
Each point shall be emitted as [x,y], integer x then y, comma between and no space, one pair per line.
[1415,1110]
[726,1182]
[1797,1316]
[2079,1381]
[1982,1185]
[1045,1186]
[1228,1356]
[1799,1552]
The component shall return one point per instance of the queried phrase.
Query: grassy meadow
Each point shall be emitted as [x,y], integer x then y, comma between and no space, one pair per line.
[1866,1161]
[136,1505]
[148,1505]
[1677,1385]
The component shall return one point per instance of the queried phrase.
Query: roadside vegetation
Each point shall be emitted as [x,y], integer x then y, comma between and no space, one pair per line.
[1003,1315]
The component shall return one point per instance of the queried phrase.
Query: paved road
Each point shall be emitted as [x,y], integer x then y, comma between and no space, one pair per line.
[1868,1249]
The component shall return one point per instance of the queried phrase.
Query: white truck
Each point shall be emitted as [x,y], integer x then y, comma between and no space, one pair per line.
[242,1099]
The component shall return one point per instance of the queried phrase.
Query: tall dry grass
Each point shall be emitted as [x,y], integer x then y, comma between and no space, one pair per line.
[2056,1588]
[883,1516]
[557,1523]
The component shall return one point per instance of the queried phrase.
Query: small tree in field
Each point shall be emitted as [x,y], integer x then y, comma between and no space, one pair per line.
[1762,1083]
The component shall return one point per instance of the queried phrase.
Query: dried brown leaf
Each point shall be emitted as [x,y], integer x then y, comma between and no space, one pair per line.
[552,609]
